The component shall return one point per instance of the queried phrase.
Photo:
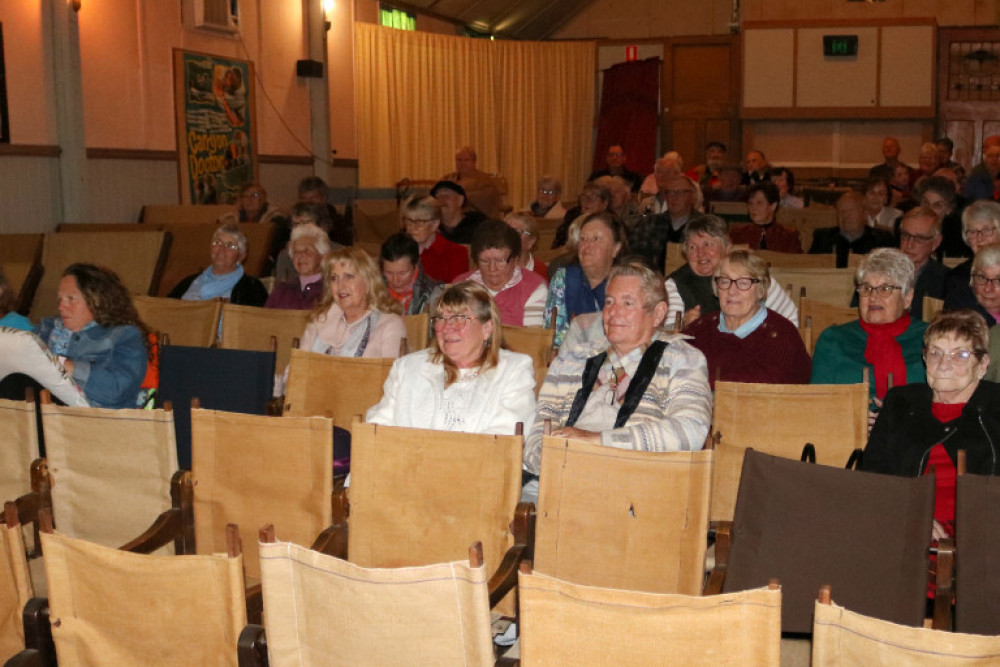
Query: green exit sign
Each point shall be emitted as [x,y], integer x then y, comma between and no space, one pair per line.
[840,45]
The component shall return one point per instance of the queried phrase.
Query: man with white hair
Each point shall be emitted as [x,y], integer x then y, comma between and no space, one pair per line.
[664,169]
[674,163]
[651,233]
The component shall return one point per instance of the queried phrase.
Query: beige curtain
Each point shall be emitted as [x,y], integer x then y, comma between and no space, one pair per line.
[526,107]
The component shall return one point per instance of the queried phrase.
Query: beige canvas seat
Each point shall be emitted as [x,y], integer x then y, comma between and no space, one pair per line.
[815,316]
[339,387]
[325,611]
[931,307]
[536,342]
[623,519]
[252,328]
[15,583]
[806,220]
[780,420]
[796,260]
[842,637]
[417,331]
[190,323]
[183,213]
[19,444]
[833,286]
[565,623]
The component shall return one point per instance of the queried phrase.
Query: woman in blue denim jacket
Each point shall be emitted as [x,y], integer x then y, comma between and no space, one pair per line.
[98,336]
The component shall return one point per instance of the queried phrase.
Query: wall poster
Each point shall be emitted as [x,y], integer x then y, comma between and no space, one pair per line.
[216,127]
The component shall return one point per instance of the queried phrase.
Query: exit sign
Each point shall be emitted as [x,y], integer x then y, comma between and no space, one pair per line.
[840,45]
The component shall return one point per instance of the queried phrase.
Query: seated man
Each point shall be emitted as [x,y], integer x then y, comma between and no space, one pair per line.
[640,389]
[730,187]
[399,260]
[441,259]
[547,202]
[663,170]
[479,189]
[458,222]
[675,165]
[520,295]
[919,237]
[890,154]
[314,190]
[852,234]
[707,175]
[756,164]
[648,238]
[616,159]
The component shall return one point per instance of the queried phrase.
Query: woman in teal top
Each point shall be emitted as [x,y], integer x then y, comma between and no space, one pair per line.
[884,340]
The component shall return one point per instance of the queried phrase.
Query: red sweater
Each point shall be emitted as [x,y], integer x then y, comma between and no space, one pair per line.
[443,260]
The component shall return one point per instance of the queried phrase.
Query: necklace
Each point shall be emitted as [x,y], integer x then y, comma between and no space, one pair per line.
[468,374]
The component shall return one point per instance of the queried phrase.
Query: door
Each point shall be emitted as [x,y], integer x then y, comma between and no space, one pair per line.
[968,89]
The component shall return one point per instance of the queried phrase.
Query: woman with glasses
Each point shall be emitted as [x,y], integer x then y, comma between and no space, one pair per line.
[224,278]
[547,204]
[985,282]
[921,427]
[980,228]
[745,341]
[442,260]
[885,340]
[519,294]
[463,381]
[764,233]
[303,288]
[525,225]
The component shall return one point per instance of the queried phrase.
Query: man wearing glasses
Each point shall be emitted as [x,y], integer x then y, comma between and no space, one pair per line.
[919,237]
[651,233]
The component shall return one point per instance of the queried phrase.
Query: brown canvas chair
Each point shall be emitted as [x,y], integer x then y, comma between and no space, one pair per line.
[781,419]
[931,307]
[190,323]
[806,220]
[843,637]
[436,614]
[19,443]
[623,519]
[375,220]
[340,387]
[565,623]
[815,316]
[536,342]
[673,259]
[15,583]
[807,525]
[420,497]
[418,331]
[251,328]
[833,286]
[977,543]
[183,213]
[797,260]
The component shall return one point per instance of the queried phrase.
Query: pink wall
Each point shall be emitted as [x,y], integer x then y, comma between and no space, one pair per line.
[29,84]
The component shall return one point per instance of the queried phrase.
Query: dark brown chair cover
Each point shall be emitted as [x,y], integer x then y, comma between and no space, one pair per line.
[977,536]
[807,525]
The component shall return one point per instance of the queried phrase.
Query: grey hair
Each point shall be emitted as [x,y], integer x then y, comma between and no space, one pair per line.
[710,225]
[652,282]
[422,204]
[310,231]
[987,258]
[548,182]
[891,263]
[233,230]
[981,210]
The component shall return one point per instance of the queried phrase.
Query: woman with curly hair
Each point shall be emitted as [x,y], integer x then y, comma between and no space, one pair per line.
[98,336]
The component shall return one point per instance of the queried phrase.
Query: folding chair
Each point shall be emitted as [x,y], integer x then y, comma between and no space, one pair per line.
[417,331]
[194,323]
[536,342]
[565,623]
[19,443]
[623,519]
[339,387]
[843,637]
[797,260]
[866,535]
[817,316]
[15,583]
[252,328]
[782,420]
[931,307]
[436,614]
[977,538]
[833,286]
[111,607]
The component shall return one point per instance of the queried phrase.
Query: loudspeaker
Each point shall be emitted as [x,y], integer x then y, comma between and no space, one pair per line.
[309,68]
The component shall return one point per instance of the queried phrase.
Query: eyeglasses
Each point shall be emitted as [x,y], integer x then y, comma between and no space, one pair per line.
[915,238]
[543,191]
[981,232]
[982,281]
[494,263]
[228,245]
[417,221]
[934,355]
[742,284]
[866,290]
[523,232]
[458,322]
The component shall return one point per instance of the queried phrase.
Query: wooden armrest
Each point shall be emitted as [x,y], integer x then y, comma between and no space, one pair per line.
[37,631]
[166,528]
[716,579]
[251,647]
[275,406]
[523,529]
[333,540]
[176,524]
[945,582]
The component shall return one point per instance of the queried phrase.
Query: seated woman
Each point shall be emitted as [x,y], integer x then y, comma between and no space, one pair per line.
[641,388]
[593,199]
[463,381]
[520,295]
[985,283]
[921,427]
[579,288]
[102,343]
[356,317]
[525,225]
[404,275]
[764,233]
[980,228]
[303,213]
[442,260]
[884,340]
[745,341]
[224,278]
[690,289]
[8,316]
[307,248]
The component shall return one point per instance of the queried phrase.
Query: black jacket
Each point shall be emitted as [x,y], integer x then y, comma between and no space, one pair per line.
[248,291]
[905,432]
[828,240]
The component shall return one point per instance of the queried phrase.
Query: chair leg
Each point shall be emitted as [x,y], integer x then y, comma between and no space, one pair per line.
[944,585]
[38,632]
[252,647]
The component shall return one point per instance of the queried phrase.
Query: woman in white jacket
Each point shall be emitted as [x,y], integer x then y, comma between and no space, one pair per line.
[463,381]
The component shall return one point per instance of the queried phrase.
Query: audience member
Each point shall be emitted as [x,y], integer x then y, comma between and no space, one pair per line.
[707,175]
[478,188]
[615,166]
[938,194]
[519,295]
[649,237]
[851,235]
[985,283]
[756,167]
[314,190]
[689,288]
[623,204]
[928,162]
[663,170]
[593,199]
[579,288]
[303,213]
[890,154]
[8,316]
[980,227]
[899,186]
[674,164]
[525,225]
[981,183]
[304,289]
[745,341]
[224,278]
[785,180]
[764,232]
[252,206]
[919,237]
[442,260]
[458,223]
[730,186]
[547,202]
[877,210]
[946,149]
[98,336]
[404,275]
[464,381]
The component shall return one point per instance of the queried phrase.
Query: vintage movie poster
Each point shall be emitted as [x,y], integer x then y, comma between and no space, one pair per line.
[216,127]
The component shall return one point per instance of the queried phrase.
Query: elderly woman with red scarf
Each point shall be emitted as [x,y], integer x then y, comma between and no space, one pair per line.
[885,339]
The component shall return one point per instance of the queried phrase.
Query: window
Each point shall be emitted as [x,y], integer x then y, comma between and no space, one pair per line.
[397,18]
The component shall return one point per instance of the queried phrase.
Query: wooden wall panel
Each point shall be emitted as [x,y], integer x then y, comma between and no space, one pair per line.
[768,67]
[837,82]
[907,58]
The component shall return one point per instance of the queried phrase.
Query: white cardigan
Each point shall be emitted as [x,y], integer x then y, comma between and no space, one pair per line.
[414,391]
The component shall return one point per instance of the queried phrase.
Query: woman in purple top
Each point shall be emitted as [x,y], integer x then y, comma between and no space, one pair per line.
[308,246]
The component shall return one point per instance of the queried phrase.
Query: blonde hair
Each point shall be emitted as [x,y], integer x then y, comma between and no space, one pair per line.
[478,300]
[376,293]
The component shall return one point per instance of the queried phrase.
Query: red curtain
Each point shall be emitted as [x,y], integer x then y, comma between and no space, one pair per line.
[630,100]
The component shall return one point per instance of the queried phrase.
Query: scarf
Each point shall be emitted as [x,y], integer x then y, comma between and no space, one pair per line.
[580,297]
[210,286]
[404,298]
[883,351]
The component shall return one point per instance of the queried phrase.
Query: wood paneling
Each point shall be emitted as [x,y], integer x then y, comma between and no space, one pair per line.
[964,118]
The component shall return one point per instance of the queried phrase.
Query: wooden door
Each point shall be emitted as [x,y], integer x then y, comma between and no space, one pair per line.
[968,89]
[701,83]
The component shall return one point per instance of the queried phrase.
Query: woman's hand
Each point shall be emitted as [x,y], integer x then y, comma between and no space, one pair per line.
[68,366]
[691,315]
[578,434]
[873,411]
[938,532]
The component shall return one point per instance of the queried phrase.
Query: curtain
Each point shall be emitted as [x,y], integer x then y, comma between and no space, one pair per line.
[526,107]
[630,100]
